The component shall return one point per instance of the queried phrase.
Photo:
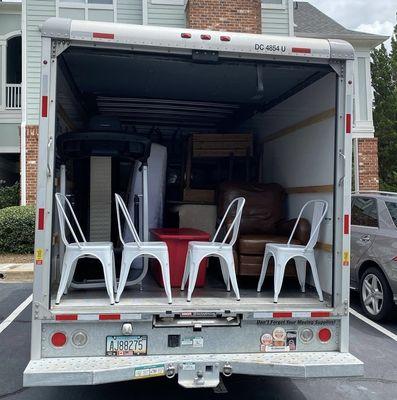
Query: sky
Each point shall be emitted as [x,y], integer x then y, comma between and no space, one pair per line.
[372,16]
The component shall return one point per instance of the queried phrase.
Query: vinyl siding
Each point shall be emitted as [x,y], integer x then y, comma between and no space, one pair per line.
[166,15]
[37,12]
[9,23]
[9,135]
[275,21]
[129,11]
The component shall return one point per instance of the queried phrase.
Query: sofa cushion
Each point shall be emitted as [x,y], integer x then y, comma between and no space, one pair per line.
[264,205]
[255,244]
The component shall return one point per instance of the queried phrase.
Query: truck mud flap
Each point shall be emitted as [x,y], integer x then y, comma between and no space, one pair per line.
[192,370]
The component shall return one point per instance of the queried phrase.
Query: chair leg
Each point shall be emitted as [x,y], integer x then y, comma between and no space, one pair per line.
[126,261]
[232,274]
[225,273]
[114,274]
[165,270]
[313,266]
[265,264]
[194,269]
[186,270]
[66,270]
[300,264]
[279,270]
[107,264]
[71,275]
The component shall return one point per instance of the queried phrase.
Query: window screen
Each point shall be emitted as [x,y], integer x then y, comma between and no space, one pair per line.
[364,212]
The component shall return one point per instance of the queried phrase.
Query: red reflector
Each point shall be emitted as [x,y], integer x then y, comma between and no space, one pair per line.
[106,317]
[66,317]
[58,339]
[348,123]
[101,35]
[324,335]
[186,35]
[40,222]
[206,37]
[226,38]
[320,314]
[302,50]
[346,227]
[44,106]
[282,315]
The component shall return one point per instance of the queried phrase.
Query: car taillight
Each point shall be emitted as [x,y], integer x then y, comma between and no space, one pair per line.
[324,335]
[58,339]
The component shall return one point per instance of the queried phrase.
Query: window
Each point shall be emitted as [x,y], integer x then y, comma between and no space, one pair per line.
[365,212]
[392,207]
[92,10]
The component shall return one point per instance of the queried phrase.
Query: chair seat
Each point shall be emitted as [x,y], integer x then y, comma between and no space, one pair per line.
[209,245]
[147,245]
[255,244]
[92,245]
[287,248]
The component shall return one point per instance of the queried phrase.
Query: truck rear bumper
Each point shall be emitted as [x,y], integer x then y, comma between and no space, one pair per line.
[98,370]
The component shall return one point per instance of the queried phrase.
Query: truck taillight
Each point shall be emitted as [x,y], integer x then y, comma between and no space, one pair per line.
[226,38]
[206,37]
[324,335]
[58,339]
[186,35]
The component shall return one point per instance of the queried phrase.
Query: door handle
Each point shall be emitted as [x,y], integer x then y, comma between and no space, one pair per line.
[365,238]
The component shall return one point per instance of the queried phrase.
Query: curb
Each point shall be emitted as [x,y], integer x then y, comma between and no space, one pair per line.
[16,272]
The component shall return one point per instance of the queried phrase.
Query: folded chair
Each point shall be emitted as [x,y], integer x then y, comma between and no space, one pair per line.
[103,251]
[197,251]
[282,253]
[135,249]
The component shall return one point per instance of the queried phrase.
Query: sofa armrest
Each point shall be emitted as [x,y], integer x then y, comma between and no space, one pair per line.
[302,233]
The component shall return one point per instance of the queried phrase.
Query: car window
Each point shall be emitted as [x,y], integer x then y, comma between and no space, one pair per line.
[364,212]
[392,207]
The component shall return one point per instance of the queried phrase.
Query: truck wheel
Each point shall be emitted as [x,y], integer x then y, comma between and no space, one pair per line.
[375,295]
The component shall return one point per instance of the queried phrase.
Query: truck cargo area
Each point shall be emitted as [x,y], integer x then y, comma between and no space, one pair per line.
[283,116]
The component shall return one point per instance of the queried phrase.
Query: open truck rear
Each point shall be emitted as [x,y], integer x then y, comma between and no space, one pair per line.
[295,96]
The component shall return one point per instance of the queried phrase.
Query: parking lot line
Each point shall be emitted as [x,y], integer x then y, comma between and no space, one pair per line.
[15,313]
[381,329]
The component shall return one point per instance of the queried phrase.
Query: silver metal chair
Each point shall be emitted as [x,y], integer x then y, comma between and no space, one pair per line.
[133,250]
[197,251]
[103,251]
[282,253]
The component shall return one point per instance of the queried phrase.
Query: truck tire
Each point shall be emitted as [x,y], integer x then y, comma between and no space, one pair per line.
[376,297]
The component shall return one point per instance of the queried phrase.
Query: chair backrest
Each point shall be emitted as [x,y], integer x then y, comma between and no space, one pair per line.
[61,201]
[235,225]
[320,208]
[121,205]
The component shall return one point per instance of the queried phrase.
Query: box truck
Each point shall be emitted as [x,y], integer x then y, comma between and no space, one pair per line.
[293,95]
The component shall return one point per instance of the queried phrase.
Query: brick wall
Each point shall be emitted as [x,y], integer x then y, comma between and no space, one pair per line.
[32,147]
[225,15]
[368,164]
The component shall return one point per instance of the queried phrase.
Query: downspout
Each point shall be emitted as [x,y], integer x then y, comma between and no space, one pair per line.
[24,107]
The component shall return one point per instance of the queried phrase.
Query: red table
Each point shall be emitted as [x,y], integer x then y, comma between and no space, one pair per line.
[177,240]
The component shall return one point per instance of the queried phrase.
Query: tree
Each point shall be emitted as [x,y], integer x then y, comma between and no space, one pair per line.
[384,80]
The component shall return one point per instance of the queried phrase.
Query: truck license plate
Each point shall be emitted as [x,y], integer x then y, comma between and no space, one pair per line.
[126,345]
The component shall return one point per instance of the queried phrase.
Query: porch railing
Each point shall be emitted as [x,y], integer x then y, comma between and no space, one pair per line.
[13,96]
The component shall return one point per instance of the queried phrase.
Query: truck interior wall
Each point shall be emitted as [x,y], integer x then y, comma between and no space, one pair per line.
[298,139]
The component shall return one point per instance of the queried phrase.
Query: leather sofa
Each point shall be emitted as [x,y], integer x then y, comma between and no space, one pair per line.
[263,221]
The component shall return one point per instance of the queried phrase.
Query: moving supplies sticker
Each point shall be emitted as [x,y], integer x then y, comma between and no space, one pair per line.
[39,256]
[346,259]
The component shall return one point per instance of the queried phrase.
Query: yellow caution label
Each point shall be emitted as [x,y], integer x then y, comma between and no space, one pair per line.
[39,257]
[346,258]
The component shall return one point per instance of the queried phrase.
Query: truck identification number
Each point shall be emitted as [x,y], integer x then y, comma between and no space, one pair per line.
[270,47]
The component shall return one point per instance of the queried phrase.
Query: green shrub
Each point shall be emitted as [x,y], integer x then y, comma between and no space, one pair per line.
[17,226]
[9,196]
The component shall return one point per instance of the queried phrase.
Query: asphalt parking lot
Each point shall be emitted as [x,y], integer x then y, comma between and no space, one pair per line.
[375,349]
